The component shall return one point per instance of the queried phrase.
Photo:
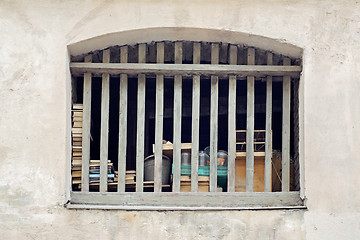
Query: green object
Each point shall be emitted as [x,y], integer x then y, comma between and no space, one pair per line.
[222,173]
[204,170]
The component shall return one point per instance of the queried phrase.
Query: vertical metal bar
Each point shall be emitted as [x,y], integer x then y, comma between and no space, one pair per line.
[250,124]
[159,114]
[86,129]
[104,134]
[232,122]
[214,95]
[195,121]
[286,131]
[140,138]
[268,150]
[177,120]
[122,122]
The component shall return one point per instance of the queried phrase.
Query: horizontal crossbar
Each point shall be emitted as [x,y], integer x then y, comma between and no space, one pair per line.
[78,69]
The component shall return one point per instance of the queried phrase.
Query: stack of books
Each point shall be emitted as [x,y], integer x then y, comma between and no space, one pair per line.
[130,177]
[76,134]
[94,172]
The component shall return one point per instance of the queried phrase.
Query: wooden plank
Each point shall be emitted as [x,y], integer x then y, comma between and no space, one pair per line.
[186,179]
[286,131]
[214,96]
[195,121]
[256,154]
[140,138]
[123,102]
[250,124]
[104,128]
[159,111]
[86,129]
[78,69]
[268,124]
[185,199]
[232,122]
[177,118]
[168,147]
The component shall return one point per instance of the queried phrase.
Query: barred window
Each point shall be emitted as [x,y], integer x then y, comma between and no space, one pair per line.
[185,125]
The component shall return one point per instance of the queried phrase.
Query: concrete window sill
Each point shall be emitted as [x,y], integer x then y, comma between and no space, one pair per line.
[186,201]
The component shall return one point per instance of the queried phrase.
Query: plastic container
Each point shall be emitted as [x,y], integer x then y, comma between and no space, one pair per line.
[203,158]
[222,158]
[149,163]
[207,150]
[185,158]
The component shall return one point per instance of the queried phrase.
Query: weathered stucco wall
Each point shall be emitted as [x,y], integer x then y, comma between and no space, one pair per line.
[34,101]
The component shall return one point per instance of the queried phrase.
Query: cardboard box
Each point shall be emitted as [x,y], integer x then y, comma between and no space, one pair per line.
[240,174]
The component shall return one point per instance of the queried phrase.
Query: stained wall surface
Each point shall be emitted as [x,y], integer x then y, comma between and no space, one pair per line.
[36,37]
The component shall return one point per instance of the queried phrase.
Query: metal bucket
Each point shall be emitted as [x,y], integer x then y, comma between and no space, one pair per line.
[149,163]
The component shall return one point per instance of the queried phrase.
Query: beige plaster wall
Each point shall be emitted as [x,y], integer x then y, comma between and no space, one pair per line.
[34,39]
